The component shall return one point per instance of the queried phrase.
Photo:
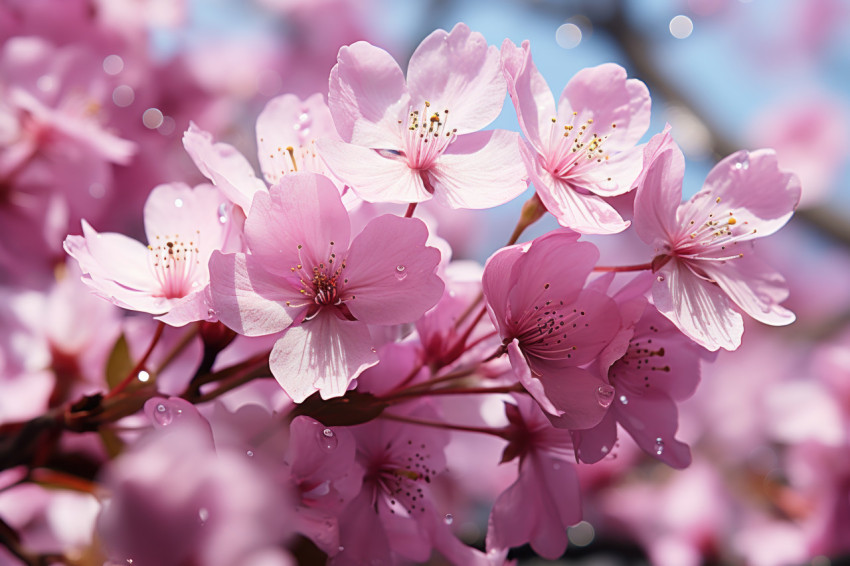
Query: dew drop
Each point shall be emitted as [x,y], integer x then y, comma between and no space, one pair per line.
[250,453]
[624,400]
[328,440]
[449,519]
[211,314]
[203,515]
[660,278]
[178,202]
[743,164]
[129,561]
[222,213]
[143,376]
[659,446]
[341,548]
[163,414]
[605,395]
[604,449]
[400,272]
[303,117]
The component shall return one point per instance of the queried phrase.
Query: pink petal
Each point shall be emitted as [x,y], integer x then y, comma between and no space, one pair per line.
[574,392]
[554,268]
[700,309]
[193,307]
[652,419]
[537,508]
[282,226]
[594,443]
[391,272]
[497,283]
[459,72]
[612,99]
[247,298]
[175,209]
[223,165]
[479,170]
[613,176]
[532,98]
[324,355]
[367,96]
[287,121]
[585,213]
[659,192]
[373,177]
[531,383]
[754,286]
[753,182]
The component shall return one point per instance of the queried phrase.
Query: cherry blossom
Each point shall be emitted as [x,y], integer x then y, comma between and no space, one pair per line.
[321,287]
[704,255]
[584,149]
[550,325]
[169,276]
[410,141]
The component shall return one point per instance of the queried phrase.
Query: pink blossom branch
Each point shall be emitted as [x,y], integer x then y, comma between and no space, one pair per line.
[140,365]
[500,432]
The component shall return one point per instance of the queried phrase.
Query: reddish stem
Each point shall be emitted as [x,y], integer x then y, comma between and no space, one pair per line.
[501,433]
[410,208]
[622,268]
[131,377]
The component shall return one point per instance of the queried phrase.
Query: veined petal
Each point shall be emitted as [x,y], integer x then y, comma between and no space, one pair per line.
[593,444]
[479,170]
[652,420]
[247,298]
[584,213]
[531,383]
[324,355]
[532,98]
[701,310]
[611,98]
[391,272]
[754,286]
[659,191]
[574,392]
[752,186]
[373,177]
[300,221]
[286,124]
[224,165]
[459,71]
[497,282]
[367,96]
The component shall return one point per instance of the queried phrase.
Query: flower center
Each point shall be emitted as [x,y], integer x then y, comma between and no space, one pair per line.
[290,159]
[710,226]
[322,285]
[634,371]
[426,136]
[545,331]
[575,147]
[175,264]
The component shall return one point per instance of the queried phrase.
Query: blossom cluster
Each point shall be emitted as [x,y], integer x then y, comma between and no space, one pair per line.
[315,377]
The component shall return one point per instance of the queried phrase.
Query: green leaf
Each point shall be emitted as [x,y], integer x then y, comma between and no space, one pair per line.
[120,364]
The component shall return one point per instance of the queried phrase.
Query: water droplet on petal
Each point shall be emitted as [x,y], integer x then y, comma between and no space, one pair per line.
[605,395]
[660,278]
[624,400]
[178,202]
[449,519]
[250,453]
[143,376]
[211,314]
[743,164]
[400,274]
[341,548]
[604,449]
[129,561]
[659,446]
[328,440]
[163,414]
[222,213]
[303,117]
[203,514]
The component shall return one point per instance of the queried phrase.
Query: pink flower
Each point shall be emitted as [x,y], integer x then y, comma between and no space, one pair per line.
[657,367]
[545,499]
[585,149]
[409,141]
[550,325]
[704,254]
[287,129]
[304,275]
[169,276]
